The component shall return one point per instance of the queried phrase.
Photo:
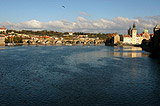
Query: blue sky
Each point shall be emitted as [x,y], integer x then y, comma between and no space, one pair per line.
[50,10]
[82,14]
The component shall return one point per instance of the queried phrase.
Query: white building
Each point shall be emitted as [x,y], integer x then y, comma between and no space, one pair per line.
[132,37]
[127,39]
[3,29]
[70,33]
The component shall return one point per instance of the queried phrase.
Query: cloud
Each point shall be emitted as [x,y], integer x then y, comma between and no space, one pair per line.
[81,19]
[81,24]
[84,14]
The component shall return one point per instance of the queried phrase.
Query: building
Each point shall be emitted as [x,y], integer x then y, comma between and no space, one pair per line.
[116,39]
[3,29]
[153,45]
[134,34]
[133,38]
[156,28]
[2,39]
[113,39]
[145,34]
[127,39]
[156,39]
[70,34]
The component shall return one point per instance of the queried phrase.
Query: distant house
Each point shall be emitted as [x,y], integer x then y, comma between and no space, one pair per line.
[114,40]
[2,39]
[3,29]
[70,33]
[82,36]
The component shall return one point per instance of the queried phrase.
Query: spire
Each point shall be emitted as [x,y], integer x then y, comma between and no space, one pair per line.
[134,25]
[129,31]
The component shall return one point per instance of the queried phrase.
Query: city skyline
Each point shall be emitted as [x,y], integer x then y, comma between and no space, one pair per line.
[80,16]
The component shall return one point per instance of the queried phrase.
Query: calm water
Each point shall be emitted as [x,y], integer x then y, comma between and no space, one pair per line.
[78,76]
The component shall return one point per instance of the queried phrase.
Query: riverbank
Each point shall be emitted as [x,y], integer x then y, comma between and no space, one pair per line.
[35,44]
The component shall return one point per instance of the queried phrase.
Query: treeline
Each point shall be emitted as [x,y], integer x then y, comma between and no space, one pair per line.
[40,33]
[60,34]
[14,39]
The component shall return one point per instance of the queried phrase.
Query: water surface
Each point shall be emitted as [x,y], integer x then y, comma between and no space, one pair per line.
[78,76]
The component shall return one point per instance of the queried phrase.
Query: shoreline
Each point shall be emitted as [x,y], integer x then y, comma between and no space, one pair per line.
[21,44]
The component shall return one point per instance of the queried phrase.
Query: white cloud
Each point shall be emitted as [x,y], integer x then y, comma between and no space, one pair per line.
[81,19]
[117,24]
[84,14]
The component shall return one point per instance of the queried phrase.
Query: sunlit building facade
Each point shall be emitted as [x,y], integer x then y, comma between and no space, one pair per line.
[134,38]
[3,29]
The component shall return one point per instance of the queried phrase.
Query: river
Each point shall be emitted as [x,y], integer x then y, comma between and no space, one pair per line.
[78,76]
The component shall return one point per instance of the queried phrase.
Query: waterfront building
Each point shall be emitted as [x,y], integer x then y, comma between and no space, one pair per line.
[116,39]
[2,39]
[145,34]
[127,39]
[133,38]
[153,45]
[134,34]
[3,29]
[113,39]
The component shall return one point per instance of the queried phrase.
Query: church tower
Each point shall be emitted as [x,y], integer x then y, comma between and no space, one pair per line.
[134,34]
[130,31]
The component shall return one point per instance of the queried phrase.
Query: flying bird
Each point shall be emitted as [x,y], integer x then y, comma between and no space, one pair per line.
[63,6]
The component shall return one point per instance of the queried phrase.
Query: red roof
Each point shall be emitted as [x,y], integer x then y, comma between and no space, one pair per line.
[151,34]
[47,37]
[127,36]
[141,34]
[3,28]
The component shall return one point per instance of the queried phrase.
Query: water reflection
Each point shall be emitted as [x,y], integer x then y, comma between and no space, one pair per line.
[2,47]
[129,52]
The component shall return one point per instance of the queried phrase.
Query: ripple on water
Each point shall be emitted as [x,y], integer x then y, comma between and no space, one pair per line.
[61,75]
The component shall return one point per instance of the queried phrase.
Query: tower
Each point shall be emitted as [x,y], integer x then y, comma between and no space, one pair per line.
[145,30]
[130,31]
[134,34]
[156,28]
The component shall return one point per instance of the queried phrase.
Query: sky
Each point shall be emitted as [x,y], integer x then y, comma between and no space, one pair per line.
[103,16]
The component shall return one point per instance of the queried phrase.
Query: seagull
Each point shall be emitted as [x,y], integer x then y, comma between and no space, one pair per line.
[63,6]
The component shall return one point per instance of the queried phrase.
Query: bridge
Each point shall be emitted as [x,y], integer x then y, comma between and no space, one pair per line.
[63,42]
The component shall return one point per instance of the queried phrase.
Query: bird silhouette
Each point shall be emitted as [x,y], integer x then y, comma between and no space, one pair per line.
[63,6]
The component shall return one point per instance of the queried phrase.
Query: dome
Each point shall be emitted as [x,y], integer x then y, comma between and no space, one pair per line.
[145,30]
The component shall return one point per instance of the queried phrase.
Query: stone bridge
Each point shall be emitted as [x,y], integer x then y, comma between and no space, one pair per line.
[63,42]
